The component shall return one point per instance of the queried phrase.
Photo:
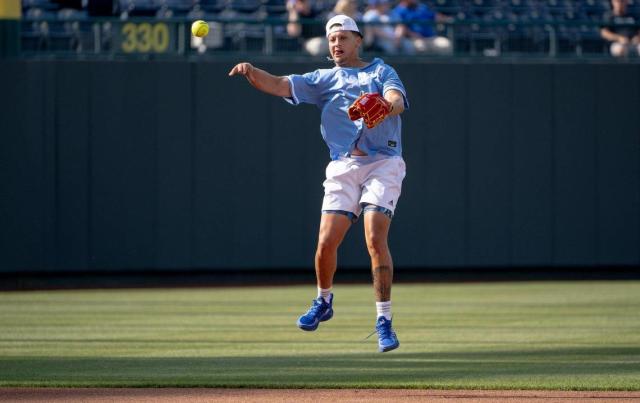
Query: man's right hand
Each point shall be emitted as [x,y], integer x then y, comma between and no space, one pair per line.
[241,68]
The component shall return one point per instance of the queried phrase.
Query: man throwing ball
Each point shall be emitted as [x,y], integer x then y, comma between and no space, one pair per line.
[360,103]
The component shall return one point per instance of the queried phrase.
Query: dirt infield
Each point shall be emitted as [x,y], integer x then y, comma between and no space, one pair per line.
[305,395]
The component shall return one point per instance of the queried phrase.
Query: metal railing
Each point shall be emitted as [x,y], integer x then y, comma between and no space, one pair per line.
[152,37]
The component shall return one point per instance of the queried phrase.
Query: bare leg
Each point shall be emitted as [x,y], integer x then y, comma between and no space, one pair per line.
[333,228]
[376,230]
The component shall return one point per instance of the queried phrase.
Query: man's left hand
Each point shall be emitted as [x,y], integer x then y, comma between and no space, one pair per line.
[371,107]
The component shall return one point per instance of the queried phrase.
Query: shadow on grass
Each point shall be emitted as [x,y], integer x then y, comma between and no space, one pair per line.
[606,368]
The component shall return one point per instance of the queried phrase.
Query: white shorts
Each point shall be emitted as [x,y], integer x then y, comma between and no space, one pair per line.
[354,181]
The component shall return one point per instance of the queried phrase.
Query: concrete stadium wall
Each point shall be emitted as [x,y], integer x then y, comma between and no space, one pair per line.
[171,165]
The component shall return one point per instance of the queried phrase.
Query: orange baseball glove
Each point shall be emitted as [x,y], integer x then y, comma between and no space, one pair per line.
[371,107]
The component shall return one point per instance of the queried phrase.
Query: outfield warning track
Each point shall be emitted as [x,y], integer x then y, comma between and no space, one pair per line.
[192,395]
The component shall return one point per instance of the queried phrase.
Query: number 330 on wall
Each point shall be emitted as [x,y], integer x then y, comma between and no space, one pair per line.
[145,37]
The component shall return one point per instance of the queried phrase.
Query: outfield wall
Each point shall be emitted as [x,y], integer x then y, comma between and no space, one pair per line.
[170,165]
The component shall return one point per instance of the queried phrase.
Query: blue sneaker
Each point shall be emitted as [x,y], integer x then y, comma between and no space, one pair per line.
[387,339]
[320,311]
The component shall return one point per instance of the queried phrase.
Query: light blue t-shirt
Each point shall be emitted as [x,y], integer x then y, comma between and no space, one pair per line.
[334,90]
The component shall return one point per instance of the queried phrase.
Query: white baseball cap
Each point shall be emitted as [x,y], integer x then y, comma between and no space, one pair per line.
[342,23]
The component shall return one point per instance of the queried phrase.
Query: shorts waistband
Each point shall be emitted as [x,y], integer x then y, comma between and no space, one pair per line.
[368,158]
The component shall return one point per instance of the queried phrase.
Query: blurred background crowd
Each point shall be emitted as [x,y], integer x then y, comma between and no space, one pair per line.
[396,27]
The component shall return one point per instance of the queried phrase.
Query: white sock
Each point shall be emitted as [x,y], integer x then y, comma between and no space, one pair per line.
[384,309]
[325,293]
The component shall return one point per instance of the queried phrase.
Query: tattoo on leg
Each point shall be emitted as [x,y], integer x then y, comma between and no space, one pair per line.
[382,278]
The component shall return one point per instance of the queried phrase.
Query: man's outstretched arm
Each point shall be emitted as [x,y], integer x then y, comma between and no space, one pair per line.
[273,85]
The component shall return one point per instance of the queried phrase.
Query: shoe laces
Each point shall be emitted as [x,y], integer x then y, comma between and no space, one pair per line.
[315,307]
[384,330]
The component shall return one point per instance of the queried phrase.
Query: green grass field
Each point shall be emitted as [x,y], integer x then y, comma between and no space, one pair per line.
[565,335]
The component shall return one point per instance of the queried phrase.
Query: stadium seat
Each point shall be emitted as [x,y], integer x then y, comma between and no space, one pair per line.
[65,33]
[35,29]
[146,8]
[246,7]
[213,6]
[275,9]
[45,5]
[173,8]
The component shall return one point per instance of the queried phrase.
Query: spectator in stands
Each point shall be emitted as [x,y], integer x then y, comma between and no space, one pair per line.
[624,39]
[303,9]
[346,7]
[381,35]
[417,27]
[319,44]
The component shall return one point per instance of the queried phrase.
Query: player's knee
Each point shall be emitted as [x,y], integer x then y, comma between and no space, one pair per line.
[326,246]
[376,245]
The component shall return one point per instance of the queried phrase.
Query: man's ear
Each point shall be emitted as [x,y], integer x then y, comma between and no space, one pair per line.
[358,39]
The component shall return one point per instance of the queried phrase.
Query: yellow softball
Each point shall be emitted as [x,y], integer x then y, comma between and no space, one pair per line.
[199,28]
